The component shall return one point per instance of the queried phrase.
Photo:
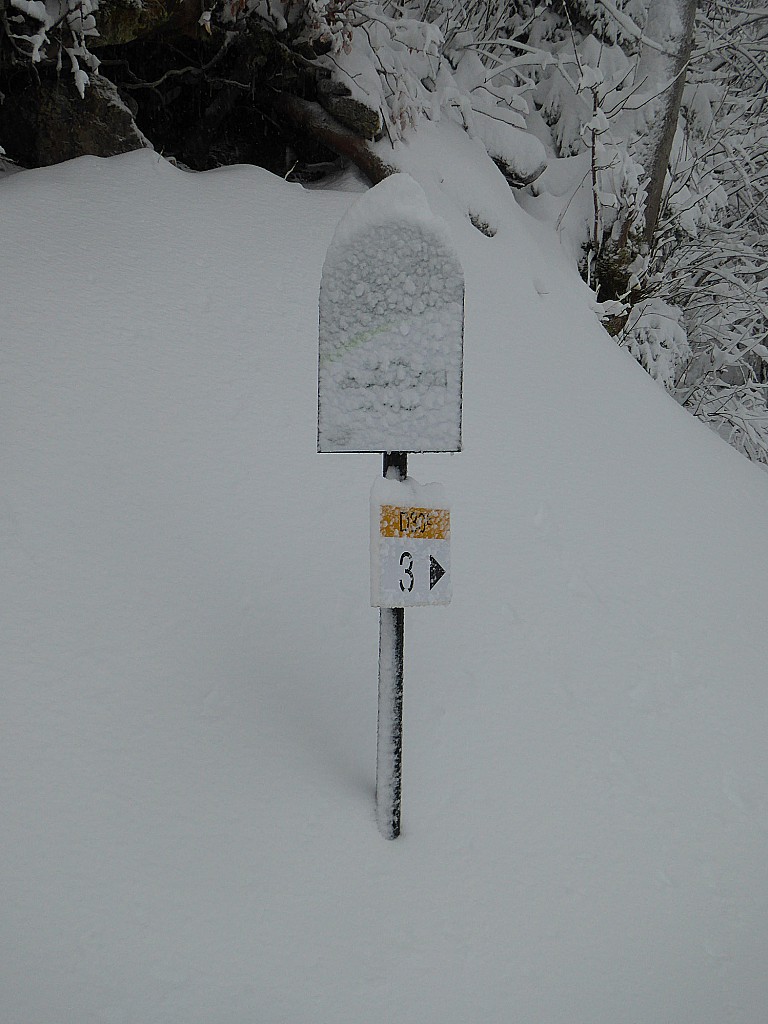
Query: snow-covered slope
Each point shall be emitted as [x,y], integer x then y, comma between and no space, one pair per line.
[189,657]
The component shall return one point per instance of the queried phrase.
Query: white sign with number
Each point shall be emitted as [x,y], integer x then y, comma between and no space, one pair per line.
[410,544]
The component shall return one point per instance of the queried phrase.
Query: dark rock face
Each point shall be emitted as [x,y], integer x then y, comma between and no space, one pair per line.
[49,122]
[204,94]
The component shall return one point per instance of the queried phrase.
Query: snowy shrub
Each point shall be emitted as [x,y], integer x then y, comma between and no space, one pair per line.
[721,286]
[655,336]
[694,296]
[582,96]
[711,252]
[619,21]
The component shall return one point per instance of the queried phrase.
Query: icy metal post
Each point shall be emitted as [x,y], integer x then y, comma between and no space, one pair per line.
[389,740]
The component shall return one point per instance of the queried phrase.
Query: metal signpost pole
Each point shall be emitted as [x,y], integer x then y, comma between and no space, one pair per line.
[389,379]
[389,737]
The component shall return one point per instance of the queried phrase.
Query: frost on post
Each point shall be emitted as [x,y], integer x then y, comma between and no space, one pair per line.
[391,328]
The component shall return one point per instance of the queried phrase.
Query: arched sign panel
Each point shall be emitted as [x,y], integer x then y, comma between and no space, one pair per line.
[391,328]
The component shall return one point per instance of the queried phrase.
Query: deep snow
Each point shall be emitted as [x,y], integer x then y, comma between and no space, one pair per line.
[189,655]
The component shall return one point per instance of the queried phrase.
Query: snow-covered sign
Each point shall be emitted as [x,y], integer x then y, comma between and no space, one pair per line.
[410,544]
[391,328]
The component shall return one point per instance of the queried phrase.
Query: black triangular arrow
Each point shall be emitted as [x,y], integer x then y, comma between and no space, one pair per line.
[436,571]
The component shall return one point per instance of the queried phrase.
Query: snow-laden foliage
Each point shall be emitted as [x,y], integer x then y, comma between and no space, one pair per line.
[720,285]
[324,25]
[710,258]
[57,30]
[657,339]
[692,306]
[615,21]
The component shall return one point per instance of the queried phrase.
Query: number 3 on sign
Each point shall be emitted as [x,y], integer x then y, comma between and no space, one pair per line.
[406,561]
[410,545]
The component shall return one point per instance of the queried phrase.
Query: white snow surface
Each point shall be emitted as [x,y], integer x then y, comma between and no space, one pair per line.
[187,746]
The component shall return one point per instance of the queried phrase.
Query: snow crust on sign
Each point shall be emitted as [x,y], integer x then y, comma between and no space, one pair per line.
[387,491]
[391,327]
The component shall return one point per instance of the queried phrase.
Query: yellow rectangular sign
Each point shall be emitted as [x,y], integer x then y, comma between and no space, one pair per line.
[415,523]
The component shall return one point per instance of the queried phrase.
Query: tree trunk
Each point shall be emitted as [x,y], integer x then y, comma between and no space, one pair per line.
[311,119]
[662,76]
